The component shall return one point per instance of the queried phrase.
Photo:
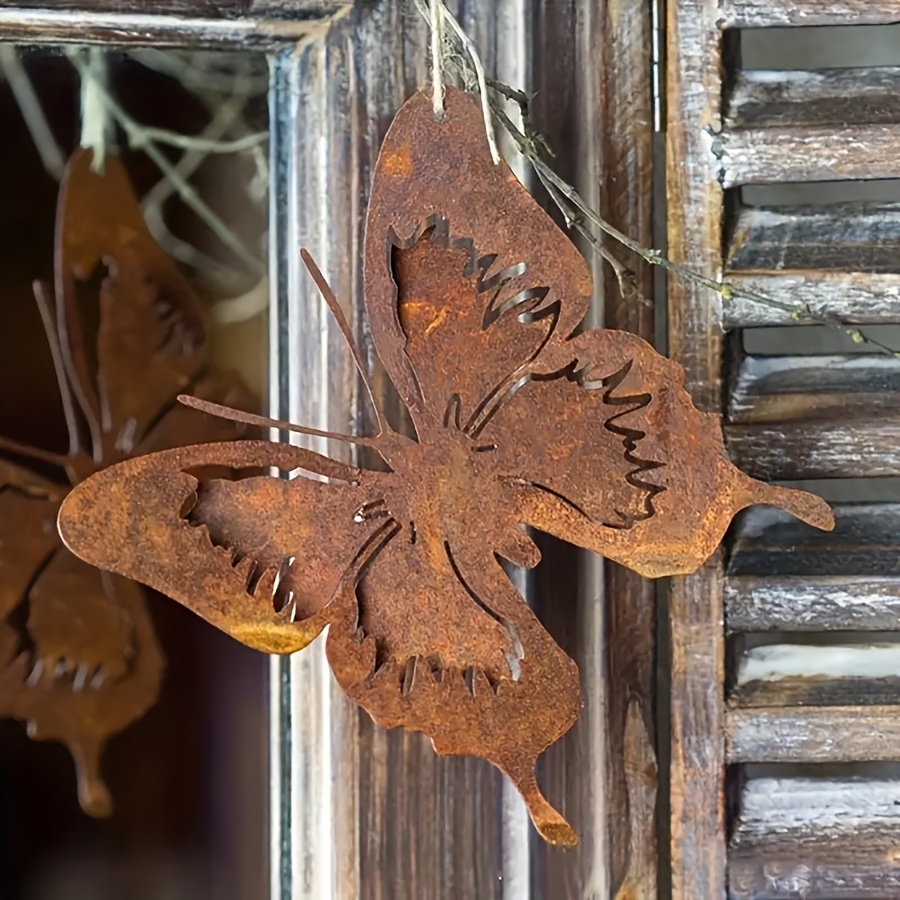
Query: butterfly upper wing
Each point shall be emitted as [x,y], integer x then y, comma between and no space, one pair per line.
[435,183]
[152,325]
[265,559]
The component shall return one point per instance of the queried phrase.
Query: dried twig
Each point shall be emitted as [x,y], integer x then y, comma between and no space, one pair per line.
[139,139]
[32,111]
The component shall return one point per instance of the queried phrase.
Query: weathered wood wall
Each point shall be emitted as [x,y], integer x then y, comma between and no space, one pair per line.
[807,686]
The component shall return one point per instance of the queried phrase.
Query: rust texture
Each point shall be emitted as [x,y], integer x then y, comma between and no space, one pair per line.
[79,660]
[474,299]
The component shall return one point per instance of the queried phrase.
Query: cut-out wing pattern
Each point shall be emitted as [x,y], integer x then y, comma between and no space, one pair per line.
[474,300]
[79,660]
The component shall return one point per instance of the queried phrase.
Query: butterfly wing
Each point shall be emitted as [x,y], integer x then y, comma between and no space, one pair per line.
[442,643]
[28,539]
[265,559]
[152,327]
[107,679]
[623,463]
[438,335]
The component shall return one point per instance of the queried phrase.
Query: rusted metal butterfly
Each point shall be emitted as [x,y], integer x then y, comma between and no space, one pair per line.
[79,660]
[474,300]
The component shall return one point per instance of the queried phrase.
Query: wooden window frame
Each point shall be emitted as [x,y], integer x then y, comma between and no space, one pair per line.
[356,812]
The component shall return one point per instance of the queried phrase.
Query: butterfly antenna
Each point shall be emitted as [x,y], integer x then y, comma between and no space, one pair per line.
[237,415]
[64,329]
[65,391]
[338,313]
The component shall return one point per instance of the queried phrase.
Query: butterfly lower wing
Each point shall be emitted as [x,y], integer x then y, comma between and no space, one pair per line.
[466,277]
[79,615]
[28,539]
[439,641]
[259,557]
[623,463]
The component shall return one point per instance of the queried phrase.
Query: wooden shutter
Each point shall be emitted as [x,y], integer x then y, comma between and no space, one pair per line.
[785,699]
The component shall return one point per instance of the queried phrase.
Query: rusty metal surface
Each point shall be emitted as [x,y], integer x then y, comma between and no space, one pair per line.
[79,660]
[474,300]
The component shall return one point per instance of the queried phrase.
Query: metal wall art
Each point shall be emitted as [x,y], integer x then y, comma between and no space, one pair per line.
[79,660]
[474,299]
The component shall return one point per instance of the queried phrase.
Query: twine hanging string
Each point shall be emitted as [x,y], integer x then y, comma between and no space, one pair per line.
[95,119]
[437,39]
[437,15]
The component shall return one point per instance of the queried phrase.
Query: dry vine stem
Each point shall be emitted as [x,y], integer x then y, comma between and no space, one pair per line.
[579,215]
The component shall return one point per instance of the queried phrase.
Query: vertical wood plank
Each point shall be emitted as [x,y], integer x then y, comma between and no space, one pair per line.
[626,200]
[377,815]
[697,815]
[593,74]
[568,585]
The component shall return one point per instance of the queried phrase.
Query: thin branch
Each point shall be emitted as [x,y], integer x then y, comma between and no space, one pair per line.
[580,216]
[205,145]
[32,111]
[529,148]
[138,139]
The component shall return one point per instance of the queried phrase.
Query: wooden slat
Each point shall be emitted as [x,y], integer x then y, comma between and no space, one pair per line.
[144,29]
[813,735]
[212,9]
[787,154]
[697,773]
[769,389]
[864,543]
[766,14]
[852,297]
[847,237]
[818,675]
[865,448]
[784,575]
[819,839]
[832,98]
[812,603]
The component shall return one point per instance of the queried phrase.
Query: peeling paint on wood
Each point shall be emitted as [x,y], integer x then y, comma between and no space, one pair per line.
[846,237]
[836,98]
[863,543]
[774,389]
[812,603]
[766,14]
[72,26]
[867,448]
[818,839]
[813,734]
[779,662]
[786,154]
